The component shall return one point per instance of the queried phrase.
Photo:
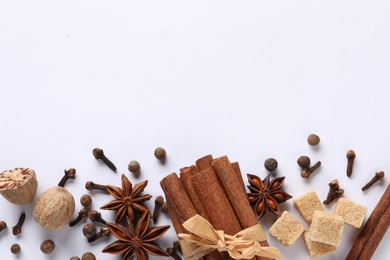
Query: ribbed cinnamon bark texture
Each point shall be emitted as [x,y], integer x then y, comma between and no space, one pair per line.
[219,211]
[237,171]
[237,196]
[180,206]
[373,231]
[185,176]
[172,186]
[203,163]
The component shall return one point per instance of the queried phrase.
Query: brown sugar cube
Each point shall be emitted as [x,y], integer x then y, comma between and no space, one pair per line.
[307,204]
[352,212]
[326,228]
[286,229]
[317,249]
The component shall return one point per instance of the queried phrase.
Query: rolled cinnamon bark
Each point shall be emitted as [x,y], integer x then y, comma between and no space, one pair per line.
[180,200]
[185,176]
[219,211]
[237,171]
[376,237]
[237,196]
[180,206]
[378,223]
[203,163]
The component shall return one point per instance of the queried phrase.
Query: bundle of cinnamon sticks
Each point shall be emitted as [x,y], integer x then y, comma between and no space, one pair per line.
[214,189]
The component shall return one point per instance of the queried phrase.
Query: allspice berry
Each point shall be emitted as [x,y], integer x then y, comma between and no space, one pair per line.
[88,256]
[134,167]
[313,139]
[18,185]
[48,246]
[160,153]
[75,258]
[15,249]
[271,164]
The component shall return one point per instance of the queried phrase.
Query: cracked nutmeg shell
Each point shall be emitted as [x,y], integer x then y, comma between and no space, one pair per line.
[18,185]
[54,208]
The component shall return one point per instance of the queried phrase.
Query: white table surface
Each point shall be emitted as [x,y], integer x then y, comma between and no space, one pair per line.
[247,79]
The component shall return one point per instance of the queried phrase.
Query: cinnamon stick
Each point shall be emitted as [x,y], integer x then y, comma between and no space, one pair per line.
[180,204]
[219,211]
[373,231]
[237,196]
[237,171]
[185,176]
[180,200]
[376,237]
[203,163]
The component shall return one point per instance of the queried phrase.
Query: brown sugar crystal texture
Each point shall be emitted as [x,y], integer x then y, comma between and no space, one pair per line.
[317,249]
[353,213]
[326,228]
[286,229]
[307,204]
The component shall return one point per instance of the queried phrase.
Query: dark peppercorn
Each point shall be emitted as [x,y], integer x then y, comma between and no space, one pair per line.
[48,246]
[15,249]
[271,164]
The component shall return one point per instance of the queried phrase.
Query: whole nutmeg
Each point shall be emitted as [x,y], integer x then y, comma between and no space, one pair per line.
[54,208]
[18,185]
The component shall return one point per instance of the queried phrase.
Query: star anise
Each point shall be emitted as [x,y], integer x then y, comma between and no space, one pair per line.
[266,194]
[136,242]
[127,200]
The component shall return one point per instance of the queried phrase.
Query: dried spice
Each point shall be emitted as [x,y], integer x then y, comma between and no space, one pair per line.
[127,200]
[138,241]
[334,192]
[55,206]
[379,176]
[266,194]
[18,185]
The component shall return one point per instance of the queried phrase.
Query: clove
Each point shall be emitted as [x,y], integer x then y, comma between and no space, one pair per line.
[334,192]
[177,246]
[85,200]
[82,214]
[172,253]
[104,231]
[89,230]
[304,163]
[98,154]
[93,215]
[69,174]
[3,225]
[158,202]
[350,157]
[90,185]
[378,176]
[17,229]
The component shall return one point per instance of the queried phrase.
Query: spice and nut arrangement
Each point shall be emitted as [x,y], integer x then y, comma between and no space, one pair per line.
[213,212]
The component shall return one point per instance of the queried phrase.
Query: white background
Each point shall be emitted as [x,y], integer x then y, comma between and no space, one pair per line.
[248,79]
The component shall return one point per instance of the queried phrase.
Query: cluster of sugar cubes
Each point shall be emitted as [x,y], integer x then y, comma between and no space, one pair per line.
[325,230]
